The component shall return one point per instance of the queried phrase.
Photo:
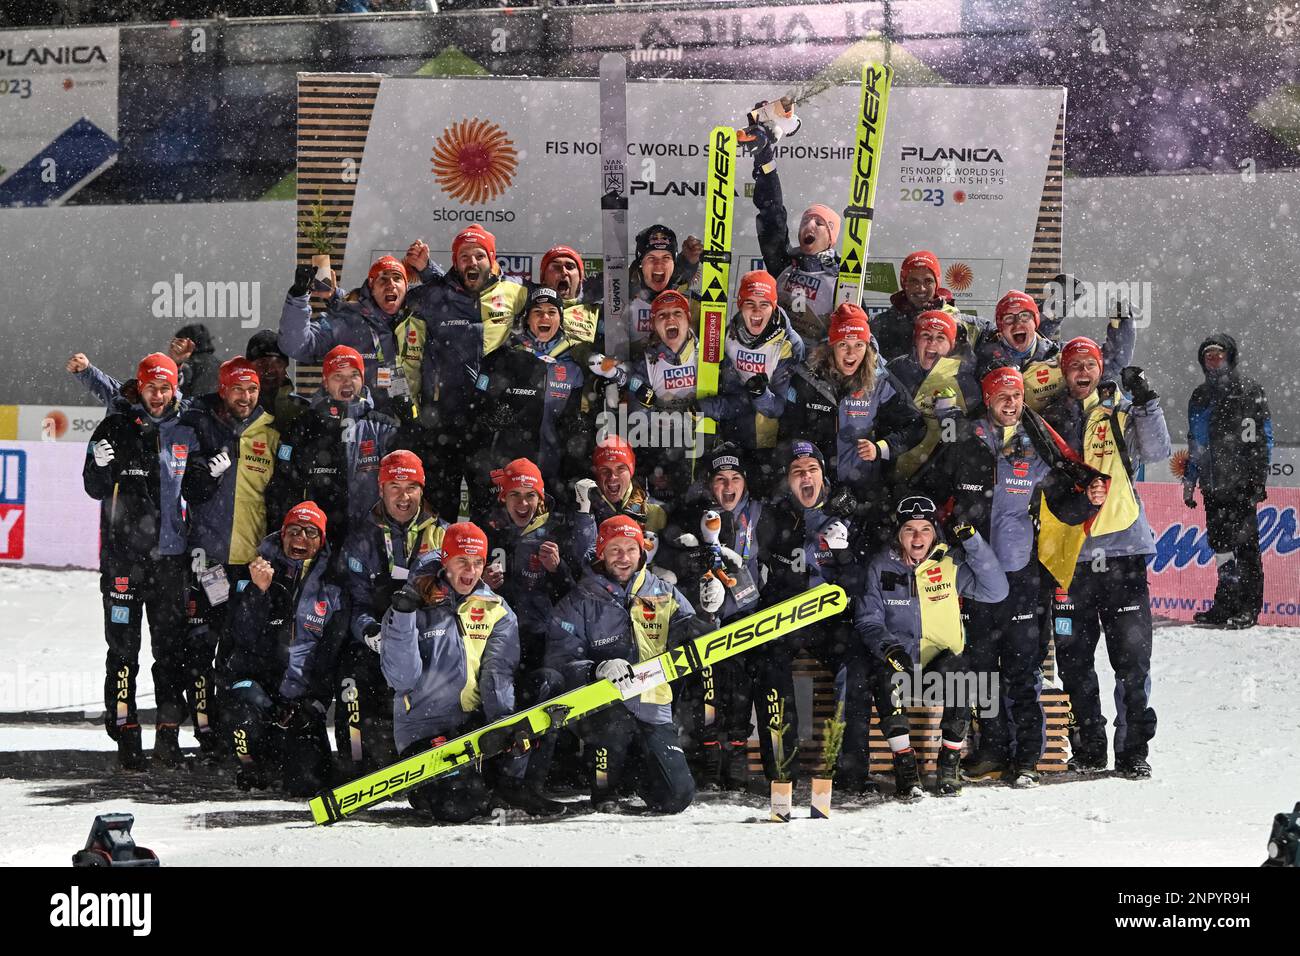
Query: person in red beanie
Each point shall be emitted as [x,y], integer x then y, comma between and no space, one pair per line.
[761,352]
[377,320]
[288,622]
[613,490]
[1003,465]
[399,537]
[233,463]
[580,298]
[1018,341]
[806,274]
[468,315]
[450,651]
[619,615]
[1115,435]
[844,400]
[921,281]
[332,451]
[136,460]
[939,377]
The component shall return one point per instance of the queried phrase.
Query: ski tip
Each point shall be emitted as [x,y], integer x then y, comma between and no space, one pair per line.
[324,808]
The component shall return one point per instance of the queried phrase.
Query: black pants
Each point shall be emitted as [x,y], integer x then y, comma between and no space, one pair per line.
[894,694]
[363,711]
[836,646]
[1005,639]
[207,648]
[1233,526]
[715,705]
[1117,600]
[131,589]
[299,754]
[455,797]
[665,782]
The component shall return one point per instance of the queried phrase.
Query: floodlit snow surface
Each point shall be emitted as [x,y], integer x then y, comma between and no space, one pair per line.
[1226,759]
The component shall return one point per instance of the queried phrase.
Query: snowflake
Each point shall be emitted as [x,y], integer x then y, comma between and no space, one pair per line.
[1282,22]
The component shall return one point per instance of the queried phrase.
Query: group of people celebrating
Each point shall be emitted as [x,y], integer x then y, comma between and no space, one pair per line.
[451,529]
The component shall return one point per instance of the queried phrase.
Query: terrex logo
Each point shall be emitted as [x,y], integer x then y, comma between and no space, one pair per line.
[474,161]
[13,502]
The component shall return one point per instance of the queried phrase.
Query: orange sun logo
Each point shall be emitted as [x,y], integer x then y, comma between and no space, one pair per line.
[959,277]
[474,161]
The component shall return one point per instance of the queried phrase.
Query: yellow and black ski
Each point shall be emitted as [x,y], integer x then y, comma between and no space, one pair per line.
[867,158]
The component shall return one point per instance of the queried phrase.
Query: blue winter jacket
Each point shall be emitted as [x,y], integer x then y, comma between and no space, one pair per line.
[445,665]
[380,555]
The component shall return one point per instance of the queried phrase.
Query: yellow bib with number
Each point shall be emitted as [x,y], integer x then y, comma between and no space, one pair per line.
[477,616]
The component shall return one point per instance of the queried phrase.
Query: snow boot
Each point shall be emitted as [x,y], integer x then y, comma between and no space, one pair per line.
[709,775]
[1215,616]
[907,777]
[251,777]
[855,783]
[1025,777]
[516,793]
[1239,622]
[1134,768]
[947,783]
[983,765]
[130,752]
[166,746]
[735,766]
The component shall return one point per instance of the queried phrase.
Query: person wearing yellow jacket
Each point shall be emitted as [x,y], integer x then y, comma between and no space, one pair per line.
[1109,589]
[231,466]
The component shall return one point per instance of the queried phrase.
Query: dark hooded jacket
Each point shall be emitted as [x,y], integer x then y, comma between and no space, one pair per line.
[1229,430]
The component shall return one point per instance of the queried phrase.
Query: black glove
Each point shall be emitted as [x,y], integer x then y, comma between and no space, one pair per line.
[697,562]
[407,600]
[1189,495]
[301,281]
[898,659]
[643,394]
[1136,384]
[299,714]
[757,384]
[841,503]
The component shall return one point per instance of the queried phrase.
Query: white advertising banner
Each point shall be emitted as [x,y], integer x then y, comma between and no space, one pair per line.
[46,517]
[960,177]
[58,110]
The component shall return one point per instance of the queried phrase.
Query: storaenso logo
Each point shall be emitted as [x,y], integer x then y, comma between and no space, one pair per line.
[60,56]
[75,909]
[179,299]
[958,154]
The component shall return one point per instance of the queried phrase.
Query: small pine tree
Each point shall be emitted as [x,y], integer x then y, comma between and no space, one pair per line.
[832,740]
[317,225]
[784,762]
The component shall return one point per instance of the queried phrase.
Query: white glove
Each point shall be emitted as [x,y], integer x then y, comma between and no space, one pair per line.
[712,594]
[104,453]
[582,494]
[219,463]
[374,638]
[836,535]
[608,367]
[734,561]
[945,403]
[614,671]
[688,540]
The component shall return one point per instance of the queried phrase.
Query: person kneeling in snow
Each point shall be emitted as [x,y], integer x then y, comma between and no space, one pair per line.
[909,617]
[288,622]
[621,614]
[450,648]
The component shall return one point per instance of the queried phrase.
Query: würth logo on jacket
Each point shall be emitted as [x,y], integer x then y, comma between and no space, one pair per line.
[120,585]
[322,607]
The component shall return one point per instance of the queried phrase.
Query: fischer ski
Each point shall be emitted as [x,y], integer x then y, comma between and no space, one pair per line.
[521,729]
[873,106]
[613,210]
[715,269]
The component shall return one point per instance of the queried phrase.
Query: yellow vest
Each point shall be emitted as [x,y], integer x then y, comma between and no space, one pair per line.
[476,617]
[498,305]
[651,615]
[936,590]
[1043,382]
[1101,451]
[255,465]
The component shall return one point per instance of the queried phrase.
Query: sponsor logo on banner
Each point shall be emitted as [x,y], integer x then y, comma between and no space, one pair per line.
[958,277]
[474,161]
[519,268]
[13,503]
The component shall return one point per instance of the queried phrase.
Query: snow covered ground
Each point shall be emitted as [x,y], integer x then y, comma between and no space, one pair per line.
[1226,759]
